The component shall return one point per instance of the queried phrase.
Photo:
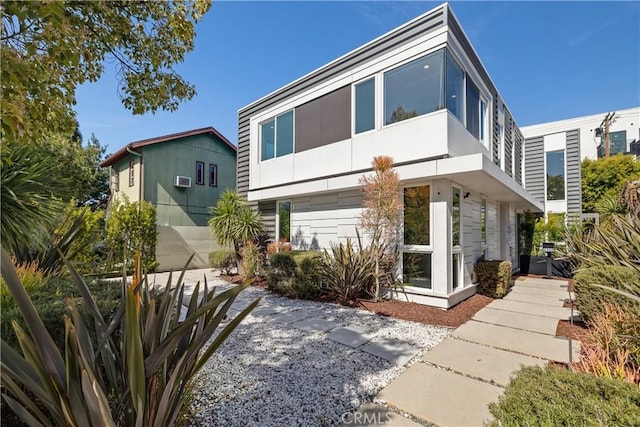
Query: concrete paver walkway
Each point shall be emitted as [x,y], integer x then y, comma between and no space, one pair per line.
[458,378]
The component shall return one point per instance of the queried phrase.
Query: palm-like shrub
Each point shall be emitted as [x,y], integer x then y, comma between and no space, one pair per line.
[233,222]
[347,271]
[144,358]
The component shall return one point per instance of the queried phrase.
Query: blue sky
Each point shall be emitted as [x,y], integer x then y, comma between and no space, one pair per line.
[549,60]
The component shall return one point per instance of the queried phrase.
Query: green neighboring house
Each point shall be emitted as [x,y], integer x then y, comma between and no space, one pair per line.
[182,175]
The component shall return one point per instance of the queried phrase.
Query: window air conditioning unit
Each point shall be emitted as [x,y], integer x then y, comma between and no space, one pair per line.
[182,181]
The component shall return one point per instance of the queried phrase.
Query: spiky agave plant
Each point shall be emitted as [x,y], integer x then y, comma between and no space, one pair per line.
[144,358]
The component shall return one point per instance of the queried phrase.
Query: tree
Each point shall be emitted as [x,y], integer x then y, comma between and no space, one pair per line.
[131,227]
[381,214]
[606,177]
[399,114]
[233,223]
[49,48]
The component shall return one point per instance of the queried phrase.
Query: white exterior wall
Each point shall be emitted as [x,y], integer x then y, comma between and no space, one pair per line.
[132,193]
[627,119]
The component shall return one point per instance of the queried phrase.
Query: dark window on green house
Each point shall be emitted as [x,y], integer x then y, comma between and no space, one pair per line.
[213,175]
[200,173]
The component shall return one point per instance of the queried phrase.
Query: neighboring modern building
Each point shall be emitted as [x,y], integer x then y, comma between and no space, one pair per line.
[554,152]
[421,95]
[182,175]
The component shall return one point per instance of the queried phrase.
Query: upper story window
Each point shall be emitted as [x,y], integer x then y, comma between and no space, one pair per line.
[618,142]
[455,88]
[414,89]
[213,175]
[131,172]
[200,173]
[473,109]
[365,106]
[277,136]
[555,175]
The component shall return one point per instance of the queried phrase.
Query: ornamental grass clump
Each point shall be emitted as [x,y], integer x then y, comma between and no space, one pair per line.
[134,373]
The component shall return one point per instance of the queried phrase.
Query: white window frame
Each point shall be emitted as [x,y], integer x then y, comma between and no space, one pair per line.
[418,249]
[275,135]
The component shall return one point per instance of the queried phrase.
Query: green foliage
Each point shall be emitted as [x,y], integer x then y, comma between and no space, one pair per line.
[144,358]
[49,48]
[32,279]
[49,297]
[494,277]
[558,397]
[225,260]
[347,271]
[233,223]
[295,274]
[526,230]
[552,229]
[616,242]
[590,299]
[131,226]
[605,178]
[30,198]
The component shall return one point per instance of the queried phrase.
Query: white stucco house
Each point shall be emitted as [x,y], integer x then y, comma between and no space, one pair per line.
[421,95]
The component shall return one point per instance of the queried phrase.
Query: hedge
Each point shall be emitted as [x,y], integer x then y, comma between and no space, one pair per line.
[295,274]
[590,299]
[494,277]
[554,396]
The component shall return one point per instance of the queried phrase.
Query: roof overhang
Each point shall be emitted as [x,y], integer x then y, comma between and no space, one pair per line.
[135,146]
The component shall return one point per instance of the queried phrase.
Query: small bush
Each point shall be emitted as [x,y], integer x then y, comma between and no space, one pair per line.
[32,279]
[590,299]
[251,262]
[225,260]
[493,277]
[613,347]
[558,397]
[295,277]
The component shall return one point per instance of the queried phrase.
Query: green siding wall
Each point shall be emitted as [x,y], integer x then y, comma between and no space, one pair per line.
[164,161]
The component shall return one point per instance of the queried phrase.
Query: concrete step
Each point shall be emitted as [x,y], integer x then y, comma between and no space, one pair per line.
[542,299]
[558,313]
[479,361]
[527,322]
[441,397]
[543,284]
[525,342]
[555,293]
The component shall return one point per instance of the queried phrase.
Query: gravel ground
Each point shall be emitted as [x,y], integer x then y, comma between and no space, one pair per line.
[270,374]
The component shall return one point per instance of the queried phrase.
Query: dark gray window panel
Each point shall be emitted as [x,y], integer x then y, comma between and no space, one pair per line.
[517,155]
[508,142]
[473,106]
[324,120]
[574,176]
[534,167]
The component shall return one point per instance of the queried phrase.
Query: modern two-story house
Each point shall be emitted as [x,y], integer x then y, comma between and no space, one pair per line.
[554,152]
[421,95]
[182,175]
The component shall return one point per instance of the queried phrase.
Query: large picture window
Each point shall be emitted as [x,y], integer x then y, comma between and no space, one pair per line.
[277,136]
[365,106]
[414,89]
[555,175]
